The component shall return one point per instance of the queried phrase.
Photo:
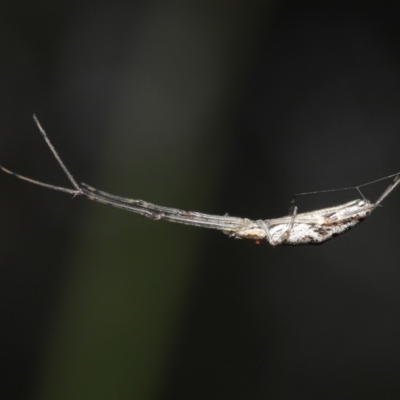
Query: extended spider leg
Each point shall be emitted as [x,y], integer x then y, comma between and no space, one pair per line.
[75,192]
[56,156]
[389,189]
[46,185]
[156,212]
[144,208]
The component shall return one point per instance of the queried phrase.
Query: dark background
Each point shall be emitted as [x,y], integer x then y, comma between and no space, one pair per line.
[223,106]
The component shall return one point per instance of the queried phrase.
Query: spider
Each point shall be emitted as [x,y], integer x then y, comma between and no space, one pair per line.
[312,227]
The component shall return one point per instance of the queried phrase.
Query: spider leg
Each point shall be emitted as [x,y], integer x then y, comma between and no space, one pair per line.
[283,236]
[388,190]
[77,191]
[156,212]
[56,156]
[39,183]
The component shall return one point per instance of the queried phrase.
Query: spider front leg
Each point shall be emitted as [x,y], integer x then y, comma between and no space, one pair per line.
[283,236]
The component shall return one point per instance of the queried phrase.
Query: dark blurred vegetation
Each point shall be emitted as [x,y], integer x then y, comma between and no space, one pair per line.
[225,106]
